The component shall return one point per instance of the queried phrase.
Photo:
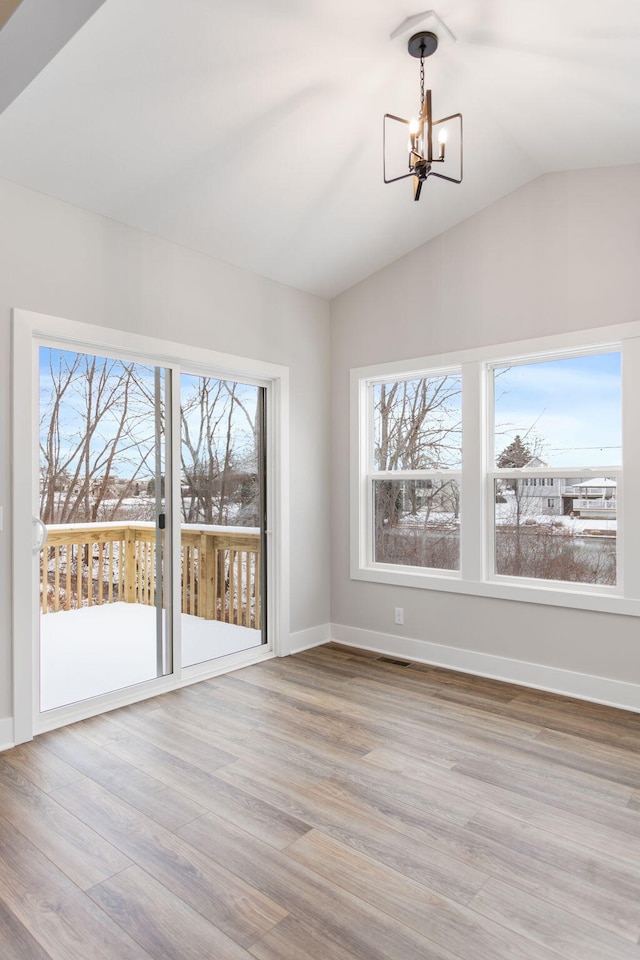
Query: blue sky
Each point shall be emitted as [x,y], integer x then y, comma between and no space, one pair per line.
[567,411]
[136,453]
[242,420]
[138,441]
[440,431]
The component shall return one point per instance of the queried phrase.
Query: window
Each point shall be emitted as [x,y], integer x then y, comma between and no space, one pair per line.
[563,412]
[498,471]
[415,471]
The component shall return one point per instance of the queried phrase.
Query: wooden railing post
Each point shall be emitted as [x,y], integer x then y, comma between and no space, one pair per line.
[44,578]
[257,592]
[206,606]
[130,566]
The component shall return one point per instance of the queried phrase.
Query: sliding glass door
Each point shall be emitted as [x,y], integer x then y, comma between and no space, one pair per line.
[150,502]
[104,510]
[222,513]
[103,503]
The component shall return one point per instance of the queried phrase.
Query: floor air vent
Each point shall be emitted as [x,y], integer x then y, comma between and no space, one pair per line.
[398,663]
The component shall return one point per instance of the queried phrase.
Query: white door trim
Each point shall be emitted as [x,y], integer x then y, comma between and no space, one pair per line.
[28,329]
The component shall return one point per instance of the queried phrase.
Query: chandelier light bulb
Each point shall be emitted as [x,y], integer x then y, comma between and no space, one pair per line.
[414,143]
[442,139]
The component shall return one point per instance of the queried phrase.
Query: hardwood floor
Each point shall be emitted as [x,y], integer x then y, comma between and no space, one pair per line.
[328,806]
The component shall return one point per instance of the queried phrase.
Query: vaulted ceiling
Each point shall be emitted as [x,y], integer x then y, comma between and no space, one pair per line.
[251,130]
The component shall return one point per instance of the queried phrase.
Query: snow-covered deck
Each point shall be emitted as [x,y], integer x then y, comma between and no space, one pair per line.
[99,649]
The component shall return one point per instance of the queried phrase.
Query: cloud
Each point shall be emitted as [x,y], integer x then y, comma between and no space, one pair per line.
[572,406]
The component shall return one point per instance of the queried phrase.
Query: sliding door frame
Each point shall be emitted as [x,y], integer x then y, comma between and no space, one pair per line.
[29,331]
[164,622]
[203,369]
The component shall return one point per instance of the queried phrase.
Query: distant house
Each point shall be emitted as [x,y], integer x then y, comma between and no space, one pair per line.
[554,496]
[544,495]
[595,498]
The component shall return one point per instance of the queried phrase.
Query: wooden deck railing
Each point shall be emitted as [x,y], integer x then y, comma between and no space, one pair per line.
[92,564]
[593,504]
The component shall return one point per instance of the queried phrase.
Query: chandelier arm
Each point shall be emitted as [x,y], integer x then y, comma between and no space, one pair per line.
[441,176]
[453,116]
[390,116]
[402,177]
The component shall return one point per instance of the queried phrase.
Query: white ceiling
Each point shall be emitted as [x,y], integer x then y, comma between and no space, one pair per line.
[250,130]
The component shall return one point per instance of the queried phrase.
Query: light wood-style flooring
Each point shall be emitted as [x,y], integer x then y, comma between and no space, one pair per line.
[329,806]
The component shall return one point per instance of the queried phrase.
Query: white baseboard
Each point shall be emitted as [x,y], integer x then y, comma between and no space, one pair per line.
[6,733]
[305,639]
[613,693]
[582,686]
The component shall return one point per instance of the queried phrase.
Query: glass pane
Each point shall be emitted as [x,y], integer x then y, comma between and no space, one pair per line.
[102,456]
[559,413]
[222,493]
[555,529]
[417,424]
[416,523]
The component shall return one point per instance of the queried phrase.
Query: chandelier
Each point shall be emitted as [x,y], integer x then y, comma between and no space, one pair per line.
[427,140]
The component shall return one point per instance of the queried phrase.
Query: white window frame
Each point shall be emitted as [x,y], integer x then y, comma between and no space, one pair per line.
[535,475]
[476,576]
[373,475]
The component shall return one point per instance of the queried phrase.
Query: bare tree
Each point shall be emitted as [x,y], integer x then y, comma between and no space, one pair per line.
[98,443]
[417,423]
[549,551]
[417,427]
[219,450]
[97,431]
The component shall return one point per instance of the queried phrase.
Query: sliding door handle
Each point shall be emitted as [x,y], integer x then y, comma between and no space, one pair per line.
[41,535]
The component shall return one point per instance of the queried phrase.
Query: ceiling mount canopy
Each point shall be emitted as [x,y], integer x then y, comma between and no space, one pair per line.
[423,44]
[423,128]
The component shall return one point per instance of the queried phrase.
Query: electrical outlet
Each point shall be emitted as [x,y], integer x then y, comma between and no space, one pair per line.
[399,615]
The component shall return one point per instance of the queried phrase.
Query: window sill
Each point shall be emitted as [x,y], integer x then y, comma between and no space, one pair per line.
[599,599]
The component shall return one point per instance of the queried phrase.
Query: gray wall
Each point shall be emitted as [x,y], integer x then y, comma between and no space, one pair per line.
[63,261]
[560,254]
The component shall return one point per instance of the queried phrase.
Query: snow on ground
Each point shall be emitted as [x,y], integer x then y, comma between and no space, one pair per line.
[435,518]
[506,513]
[95,650]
